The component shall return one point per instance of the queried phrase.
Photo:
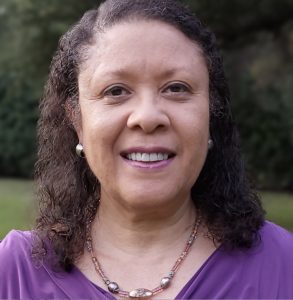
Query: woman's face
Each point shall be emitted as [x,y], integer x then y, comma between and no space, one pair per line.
[144,101]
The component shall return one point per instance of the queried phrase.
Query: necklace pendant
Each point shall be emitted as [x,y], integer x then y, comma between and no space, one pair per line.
[113,287]
[140,293]
[165,282]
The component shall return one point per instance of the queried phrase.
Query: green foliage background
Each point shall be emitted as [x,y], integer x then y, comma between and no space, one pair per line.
[256,38]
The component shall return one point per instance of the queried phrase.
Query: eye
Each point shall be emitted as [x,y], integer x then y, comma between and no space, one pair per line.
[176,88]
[116,91]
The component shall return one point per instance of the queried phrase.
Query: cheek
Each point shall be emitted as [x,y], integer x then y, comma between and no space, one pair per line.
[96,125]
[195,135]
[100,129]
[195,126]
[96,136]
[196,148]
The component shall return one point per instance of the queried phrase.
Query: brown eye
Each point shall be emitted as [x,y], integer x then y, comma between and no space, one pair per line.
[116,91]
[176,88]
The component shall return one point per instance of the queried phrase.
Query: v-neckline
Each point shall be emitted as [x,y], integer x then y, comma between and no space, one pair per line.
[178,296]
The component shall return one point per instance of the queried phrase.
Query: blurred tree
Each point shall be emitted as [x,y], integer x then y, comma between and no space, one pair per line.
[257,42]
[260,73]
[236,19]
[30,30]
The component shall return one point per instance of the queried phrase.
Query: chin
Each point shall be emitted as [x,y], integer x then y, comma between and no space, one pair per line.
[151,198]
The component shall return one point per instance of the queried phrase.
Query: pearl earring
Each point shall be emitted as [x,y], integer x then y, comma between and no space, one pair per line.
[210,144]
[79,150]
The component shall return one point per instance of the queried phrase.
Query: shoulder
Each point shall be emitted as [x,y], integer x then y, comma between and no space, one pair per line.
[264,271]
[275,238]
[23,277]
[271,251]
[16,263]
[16,237]
[275,249]
[16,244]
[273,262]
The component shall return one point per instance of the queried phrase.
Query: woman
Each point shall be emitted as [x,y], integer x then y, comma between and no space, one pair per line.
[155,202]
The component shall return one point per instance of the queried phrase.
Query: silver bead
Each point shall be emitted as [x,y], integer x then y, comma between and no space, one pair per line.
[140,293]
[113,287]
[165,282]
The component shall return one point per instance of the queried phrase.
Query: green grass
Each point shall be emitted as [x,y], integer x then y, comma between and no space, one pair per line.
[279,208]
[17,207]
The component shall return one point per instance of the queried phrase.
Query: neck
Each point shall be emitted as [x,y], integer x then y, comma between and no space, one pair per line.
[135,230]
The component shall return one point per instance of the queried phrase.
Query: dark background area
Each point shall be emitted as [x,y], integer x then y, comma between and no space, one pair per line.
[256,38]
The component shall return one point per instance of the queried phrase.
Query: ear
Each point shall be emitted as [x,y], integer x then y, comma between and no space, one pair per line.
[73,115]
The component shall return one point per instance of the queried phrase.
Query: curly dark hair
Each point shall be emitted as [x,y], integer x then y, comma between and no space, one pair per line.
[68,192]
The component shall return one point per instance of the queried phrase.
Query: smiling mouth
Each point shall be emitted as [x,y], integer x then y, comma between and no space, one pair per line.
[148,157]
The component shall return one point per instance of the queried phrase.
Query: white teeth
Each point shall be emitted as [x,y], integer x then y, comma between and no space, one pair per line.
[147,157]
[153,157]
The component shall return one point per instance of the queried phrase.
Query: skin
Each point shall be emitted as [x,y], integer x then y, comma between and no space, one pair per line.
[146,114]
[144,84]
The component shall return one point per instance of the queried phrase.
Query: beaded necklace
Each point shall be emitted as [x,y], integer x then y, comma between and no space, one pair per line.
[114,288]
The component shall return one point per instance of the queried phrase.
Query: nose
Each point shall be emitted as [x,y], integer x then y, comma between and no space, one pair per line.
[148,114]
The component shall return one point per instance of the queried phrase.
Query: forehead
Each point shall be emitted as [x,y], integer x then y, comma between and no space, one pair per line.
[143,45]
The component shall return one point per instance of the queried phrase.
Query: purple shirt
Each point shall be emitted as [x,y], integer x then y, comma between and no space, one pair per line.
[263,272]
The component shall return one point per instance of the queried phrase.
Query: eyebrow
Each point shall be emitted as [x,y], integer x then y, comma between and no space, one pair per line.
[126,73]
